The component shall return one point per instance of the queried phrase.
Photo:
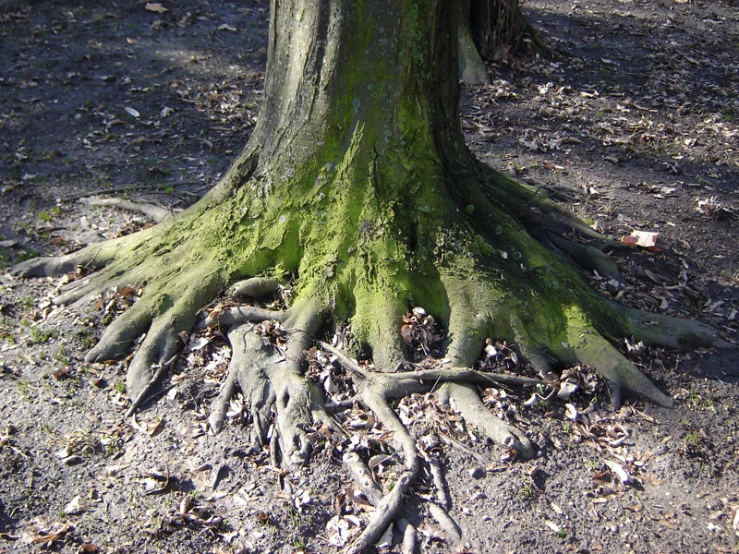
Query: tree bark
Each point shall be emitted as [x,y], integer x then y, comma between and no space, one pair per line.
[499,28]
[357,183]
[338,68]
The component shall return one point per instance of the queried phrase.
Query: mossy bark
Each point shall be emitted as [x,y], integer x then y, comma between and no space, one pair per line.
[358,182]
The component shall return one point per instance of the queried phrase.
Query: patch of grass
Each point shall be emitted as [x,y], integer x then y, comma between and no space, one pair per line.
[120,386]
[693,438]
[24,388]
[62,355]
[697,402]
[526,492]
[4,257]
[87,338]
[38,336]
[46,427]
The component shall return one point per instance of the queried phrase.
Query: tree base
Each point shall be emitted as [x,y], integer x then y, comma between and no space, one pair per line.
[483,277]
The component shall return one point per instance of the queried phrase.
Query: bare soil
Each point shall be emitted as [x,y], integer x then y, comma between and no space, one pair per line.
[633,119]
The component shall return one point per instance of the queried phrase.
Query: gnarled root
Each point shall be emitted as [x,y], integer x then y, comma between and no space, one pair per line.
[485,278]
[464,399]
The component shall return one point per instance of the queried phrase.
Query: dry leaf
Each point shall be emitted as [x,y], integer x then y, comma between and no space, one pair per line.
[553,526]
[74,507]
[644,239]
[620,471]
[155,7]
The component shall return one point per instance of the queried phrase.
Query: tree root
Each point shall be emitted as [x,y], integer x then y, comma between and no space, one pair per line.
[388,507]
[246,370]
[464,399]
[410,537]
[156,213]
[486,277]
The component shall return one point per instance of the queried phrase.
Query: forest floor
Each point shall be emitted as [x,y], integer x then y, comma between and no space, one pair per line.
[634,117]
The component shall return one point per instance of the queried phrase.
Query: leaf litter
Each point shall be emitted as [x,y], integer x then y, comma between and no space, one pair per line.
[679,120]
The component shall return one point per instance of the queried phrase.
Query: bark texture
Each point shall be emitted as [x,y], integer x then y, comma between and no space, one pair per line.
[357,181]
[499,27]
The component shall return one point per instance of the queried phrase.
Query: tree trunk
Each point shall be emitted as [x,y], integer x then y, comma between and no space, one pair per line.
[357,146]
[499,28]
[491,30]
[357,182]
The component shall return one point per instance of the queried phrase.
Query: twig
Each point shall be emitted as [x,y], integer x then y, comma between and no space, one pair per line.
[344,360]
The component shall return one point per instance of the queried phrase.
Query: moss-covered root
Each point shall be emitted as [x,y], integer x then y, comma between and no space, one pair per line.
[467,337]
[621,375]
[465,399]
[668,332]
[92,257]
[163,318]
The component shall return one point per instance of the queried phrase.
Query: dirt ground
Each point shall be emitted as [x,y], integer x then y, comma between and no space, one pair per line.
[634,119]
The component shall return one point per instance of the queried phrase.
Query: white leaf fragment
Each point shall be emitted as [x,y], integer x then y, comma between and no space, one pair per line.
[553,526]
[645,239]
[623,475]
[340,530]
[74,507]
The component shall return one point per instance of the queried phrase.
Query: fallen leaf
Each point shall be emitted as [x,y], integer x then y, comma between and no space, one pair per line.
[620,471]
[74,507]
[645,239]
[155,7]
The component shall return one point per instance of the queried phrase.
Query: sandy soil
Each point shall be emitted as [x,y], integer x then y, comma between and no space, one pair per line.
[633,119]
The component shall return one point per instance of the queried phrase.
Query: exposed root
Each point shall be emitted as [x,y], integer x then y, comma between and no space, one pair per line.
[362,477]
[156,213]
[466,400]
[385,512]
[446,522]
[620,374]
[237,315]
[587,257]
[410,537]
[146,392]
[93,257]
[256,287]
[250,356]
[669,332]
[443,498]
